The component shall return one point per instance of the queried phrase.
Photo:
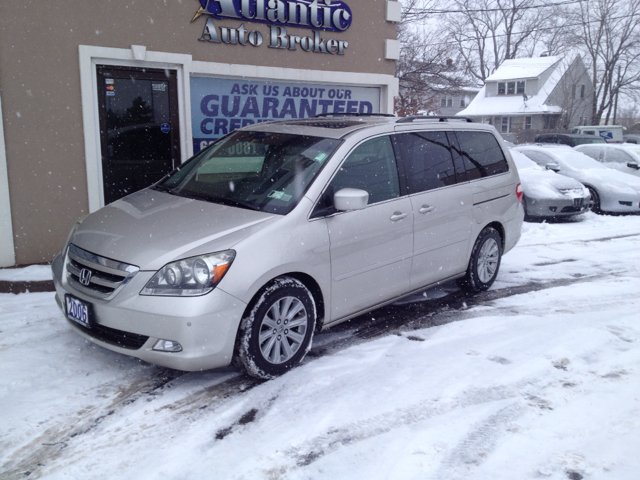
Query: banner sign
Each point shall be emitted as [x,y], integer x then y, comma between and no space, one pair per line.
[328,15]
[331,15]
[219,106]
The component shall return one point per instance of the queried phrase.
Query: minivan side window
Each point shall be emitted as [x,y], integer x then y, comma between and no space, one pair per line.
[481,153]
[371,167]
[427,160]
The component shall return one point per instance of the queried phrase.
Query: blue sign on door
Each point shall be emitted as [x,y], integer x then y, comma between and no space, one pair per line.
[165,128]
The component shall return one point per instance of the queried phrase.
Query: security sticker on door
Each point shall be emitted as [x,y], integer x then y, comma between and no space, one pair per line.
[77,311]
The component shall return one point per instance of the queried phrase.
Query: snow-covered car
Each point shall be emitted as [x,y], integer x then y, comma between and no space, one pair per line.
[610,190]
[547,194]
[283,227]
[619,156]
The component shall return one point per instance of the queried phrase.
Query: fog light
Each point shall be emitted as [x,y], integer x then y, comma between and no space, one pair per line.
[167,346]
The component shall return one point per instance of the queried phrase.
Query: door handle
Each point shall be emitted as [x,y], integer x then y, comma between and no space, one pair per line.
[427,209]
[398,216]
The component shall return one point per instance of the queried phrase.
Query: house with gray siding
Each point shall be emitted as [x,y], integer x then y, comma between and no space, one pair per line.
[525,96]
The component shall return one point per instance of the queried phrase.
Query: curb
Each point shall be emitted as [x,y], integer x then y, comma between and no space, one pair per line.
[26,287]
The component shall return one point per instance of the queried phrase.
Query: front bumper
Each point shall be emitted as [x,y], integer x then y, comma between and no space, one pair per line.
[556,207]
[131,323]
[620,203]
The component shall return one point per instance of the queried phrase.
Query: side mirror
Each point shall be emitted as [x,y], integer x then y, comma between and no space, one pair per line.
[633,165]
[554,167]
[350,199]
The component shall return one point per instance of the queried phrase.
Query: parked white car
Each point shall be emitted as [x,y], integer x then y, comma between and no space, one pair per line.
[622,156]
[611,190]
[547,194]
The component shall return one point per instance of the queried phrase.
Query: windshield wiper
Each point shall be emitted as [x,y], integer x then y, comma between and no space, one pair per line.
[162,188]
[221,200]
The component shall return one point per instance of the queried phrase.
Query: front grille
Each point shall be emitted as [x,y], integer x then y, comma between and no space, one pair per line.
[574,191]
[571,209]
[119,338]
[97,276]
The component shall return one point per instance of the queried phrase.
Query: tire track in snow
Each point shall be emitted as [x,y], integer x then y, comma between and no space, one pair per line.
[50,444]
[480,440]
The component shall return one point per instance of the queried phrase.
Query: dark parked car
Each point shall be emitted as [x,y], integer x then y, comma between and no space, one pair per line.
[571,139]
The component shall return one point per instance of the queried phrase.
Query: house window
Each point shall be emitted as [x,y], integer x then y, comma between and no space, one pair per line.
[449,101]
[573,91]
[504,128]
[443,102]
[463,103]
[527,123]
[511,88]
[581,91]
[446,101]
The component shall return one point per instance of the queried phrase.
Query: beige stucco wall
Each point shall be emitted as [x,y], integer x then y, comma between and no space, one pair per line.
[41,98]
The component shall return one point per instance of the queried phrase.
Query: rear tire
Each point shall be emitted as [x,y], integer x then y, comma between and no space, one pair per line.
[484,262]
[276,333]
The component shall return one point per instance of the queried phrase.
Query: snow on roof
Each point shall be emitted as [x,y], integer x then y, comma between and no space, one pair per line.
[516,104]
[509,105]
[522,68]
[448,88]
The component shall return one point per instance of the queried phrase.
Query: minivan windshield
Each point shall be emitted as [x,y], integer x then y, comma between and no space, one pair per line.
[263,171]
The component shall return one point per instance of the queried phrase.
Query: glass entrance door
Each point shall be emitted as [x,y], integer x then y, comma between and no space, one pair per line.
[139,130]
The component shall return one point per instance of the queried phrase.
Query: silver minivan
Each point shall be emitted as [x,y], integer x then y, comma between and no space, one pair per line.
[280,229]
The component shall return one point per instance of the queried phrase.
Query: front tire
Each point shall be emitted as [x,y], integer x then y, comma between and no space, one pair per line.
[276,333]
[484,262]
[594,203]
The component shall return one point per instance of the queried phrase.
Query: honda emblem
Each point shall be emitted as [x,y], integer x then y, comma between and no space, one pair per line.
[85,276]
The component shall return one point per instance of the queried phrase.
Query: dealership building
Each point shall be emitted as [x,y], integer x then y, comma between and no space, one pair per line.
[100,99]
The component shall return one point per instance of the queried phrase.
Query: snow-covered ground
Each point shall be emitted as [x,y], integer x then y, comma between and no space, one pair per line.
[32,273]
[540,381]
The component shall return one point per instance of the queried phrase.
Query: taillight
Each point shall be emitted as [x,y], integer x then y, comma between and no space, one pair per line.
[519,192]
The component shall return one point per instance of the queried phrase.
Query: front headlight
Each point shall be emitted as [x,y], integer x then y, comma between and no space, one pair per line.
[70,236]
[190,277]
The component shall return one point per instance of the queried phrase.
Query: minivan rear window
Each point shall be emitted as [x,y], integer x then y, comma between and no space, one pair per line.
[262,171]
[427,159]
[481,153]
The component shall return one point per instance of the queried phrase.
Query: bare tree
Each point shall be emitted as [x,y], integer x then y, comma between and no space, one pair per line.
[488,32]
[427,66]
[610,33]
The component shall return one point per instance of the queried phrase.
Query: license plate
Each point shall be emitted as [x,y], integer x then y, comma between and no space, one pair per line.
[78,311]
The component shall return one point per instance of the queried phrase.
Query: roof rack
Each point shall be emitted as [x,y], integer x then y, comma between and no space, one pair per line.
[334,114]
[439,118]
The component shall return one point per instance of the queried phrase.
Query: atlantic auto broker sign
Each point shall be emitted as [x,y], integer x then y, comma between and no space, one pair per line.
[219,106]
[327,15]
